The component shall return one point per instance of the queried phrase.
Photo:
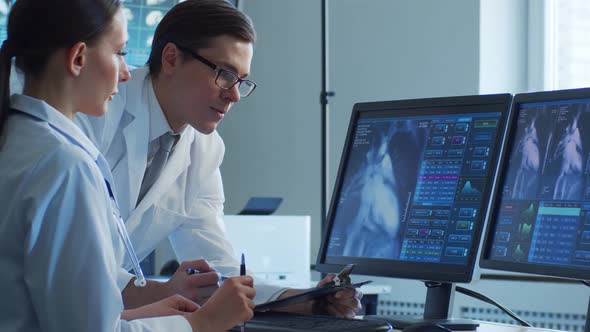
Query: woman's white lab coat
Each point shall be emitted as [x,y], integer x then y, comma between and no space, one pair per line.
[58,265]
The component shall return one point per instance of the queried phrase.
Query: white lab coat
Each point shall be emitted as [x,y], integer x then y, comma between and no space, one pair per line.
[57,229]
[185,204]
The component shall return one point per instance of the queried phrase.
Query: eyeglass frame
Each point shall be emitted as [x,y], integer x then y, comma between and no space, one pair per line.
[218,70]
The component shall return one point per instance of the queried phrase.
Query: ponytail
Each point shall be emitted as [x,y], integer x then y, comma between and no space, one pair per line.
[5,64]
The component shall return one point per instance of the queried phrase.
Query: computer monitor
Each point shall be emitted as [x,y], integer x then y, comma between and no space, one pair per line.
[540,219]
[412,192]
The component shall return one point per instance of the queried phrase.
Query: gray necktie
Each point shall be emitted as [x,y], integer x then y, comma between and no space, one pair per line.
[167,142]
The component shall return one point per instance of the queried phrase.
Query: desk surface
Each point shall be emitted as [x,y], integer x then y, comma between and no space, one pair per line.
[369,289]
[497,327]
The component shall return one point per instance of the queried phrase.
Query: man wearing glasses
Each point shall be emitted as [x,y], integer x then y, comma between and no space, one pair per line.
[160,141]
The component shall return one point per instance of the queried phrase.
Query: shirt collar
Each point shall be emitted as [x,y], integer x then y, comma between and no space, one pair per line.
[158,123]
[41,110]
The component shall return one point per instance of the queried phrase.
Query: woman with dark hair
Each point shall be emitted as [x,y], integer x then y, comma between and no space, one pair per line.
[60,231]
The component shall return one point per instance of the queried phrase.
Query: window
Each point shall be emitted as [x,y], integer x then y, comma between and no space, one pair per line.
[567,48]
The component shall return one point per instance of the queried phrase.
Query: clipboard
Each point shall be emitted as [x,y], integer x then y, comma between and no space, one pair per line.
[340,282]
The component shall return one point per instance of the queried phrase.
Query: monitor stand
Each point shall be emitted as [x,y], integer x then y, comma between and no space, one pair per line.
[437,309]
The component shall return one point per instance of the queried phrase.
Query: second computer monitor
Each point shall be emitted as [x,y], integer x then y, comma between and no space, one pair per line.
[541,218]
[413,187]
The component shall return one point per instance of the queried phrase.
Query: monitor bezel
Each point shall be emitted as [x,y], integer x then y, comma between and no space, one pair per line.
[522,267]
[405,269]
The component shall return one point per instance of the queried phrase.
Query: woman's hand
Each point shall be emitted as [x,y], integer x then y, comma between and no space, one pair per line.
[230,305]
[173,305]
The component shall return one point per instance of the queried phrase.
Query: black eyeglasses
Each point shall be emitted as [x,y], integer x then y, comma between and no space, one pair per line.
[225,79]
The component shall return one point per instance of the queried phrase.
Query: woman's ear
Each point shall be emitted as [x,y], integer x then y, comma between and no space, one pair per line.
[76,58]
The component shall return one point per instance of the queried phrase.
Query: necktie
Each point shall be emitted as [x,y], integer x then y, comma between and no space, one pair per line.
[167,142]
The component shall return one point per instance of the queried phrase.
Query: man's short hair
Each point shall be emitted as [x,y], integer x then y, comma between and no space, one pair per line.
[193,23]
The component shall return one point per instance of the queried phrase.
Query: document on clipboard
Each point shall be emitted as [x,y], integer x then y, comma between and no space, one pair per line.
[340,282]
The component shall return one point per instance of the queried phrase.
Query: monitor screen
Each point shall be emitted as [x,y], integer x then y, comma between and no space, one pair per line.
[4,8]
[413,187]
[540,220]
[142,18]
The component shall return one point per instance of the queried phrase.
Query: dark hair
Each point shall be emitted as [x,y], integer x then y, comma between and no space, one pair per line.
[38,28]
[193,23]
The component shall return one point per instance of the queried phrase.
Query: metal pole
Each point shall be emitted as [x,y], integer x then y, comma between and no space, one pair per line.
[324,100]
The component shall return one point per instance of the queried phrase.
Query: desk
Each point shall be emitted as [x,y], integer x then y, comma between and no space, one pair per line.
[484,327]
[497,327]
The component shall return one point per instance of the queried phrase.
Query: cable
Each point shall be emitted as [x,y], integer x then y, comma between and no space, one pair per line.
[486,299]
[481,297]
[585,282]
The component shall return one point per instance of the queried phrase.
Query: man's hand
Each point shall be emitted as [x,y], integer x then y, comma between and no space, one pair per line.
[174,305]
[197,287]
[344,303]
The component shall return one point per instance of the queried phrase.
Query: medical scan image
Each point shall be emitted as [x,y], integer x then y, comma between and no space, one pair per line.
[550,157]
[412,187]
[380,186]
[544,214]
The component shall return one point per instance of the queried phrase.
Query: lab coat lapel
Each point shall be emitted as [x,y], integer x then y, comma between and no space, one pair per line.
[136,136]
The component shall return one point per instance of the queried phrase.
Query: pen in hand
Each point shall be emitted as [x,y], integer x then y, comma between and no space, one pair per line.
[243,266]
[190,271]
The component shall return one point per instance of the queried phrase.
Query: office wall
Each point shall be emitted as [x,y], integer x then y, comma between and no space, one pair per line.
[272,137]
[378,50]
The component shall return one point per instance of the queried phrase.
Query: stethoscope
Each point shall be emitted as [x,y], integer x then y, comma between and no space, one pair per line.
[139,277]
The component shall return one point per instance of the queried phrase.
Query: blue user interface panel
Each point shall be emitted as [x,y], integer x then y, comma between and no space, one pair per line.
[142,18]
[544,212]
[4,7]
[413,185]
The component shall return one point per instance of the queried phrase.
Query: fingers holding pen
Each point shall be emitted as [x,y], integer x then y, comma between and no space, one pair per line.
[230,305]
[198,286]
[243,286]
[198,264]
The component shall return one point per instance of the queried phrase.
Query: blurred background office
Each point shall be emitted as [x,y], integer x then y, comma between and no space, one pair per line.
[385,50]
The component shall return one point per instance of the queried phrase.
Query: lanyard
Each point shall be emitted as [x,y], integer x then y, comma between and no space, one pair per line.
[139,277]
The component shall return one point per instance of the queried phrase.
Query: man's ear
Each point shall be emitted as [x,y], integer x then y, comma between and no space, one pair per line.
[76,58]
[170,58]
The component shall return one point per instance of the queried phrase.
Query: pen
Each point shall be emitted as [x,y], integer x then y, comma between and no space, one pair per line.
[243,266]
[243,273]
[190,271]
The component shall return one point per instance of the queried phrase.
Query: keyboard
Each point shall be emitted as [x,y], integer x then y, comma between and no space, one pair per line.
[287,322]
